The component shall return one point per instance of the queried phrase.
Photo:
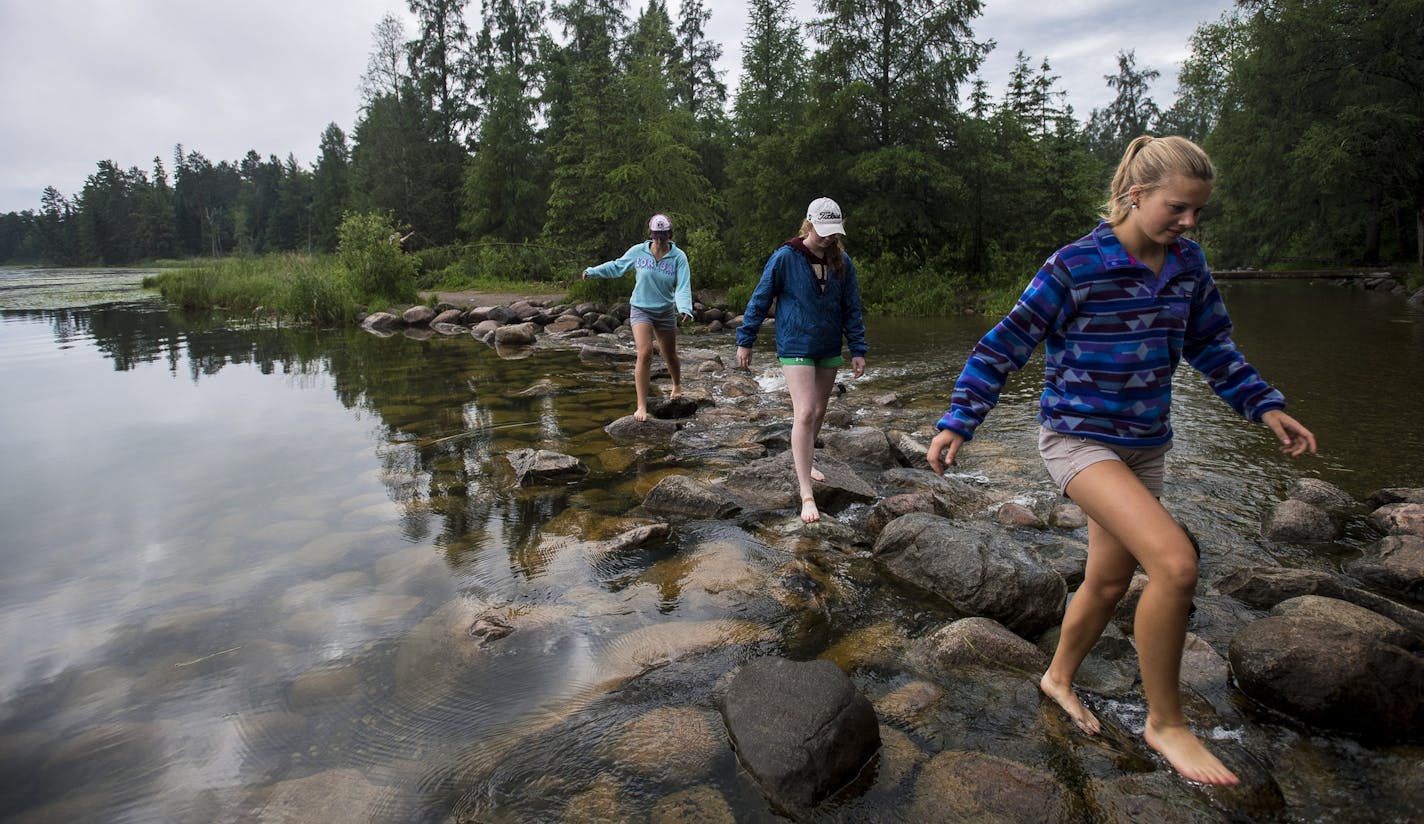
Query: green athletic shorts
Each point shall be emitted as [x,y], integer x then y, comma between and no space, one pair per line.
[833,362]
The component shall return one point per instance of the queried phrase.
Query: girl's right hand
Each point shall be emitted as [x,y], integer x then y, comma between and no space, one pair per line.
[947,442]
[744,357]
[583,275]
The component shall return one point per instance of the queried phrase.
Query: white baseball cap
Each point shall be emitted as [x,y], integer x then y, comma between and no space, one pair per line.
[660,223]
[825,216]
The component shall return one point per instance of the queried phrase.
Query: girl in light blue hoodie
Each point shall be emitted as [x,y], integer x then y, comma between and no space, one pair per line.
[662,294]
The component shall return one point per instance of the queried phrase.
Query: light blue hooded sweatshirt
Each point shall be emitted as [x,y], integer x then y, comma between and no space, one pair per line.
[662,284]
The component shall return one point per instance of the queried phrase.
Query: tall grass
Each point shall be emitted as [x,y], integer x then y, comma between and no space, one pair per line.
[304,288]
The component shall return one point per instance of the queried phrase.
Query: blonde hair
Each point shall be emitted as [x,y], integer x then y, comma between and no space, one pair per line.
[835,257]
[1147,164]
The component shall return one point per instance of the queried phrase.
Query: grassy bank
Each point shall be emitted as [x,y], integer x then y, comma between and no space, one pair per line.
[302,288]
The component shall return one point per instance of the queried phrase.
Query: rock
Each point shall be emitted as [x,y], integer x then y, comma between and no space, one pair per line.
[601,350]
[980,642]
[861,445]
[381,321]
[1394,564]
[1156,796]
[888,509]
[1330,675]
[672,408]
[1346,614]
[1297,522]
[1397,495]
[699,805]
[1264,587]
[771,483]
[418,315]
[564,323]
[978,570]
[484,330]
[517,334]
[669,744]
[1016,514]
[332,795]
[536,466]
[628,428]
[448,329]
[800,728]
[972,786]
[1067,516]
[953,498]
[502,314]
[454,317]
[683,495]
[905,703]
[1400,518]
[911,451]
[1322,495]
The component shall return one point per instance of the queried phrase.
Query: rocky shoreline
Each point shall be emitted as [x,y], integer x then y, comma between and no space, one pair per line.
[1341,651]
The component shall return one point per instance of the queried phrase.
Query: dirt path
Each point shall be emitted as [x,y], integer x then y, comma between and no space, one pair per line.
[474,297]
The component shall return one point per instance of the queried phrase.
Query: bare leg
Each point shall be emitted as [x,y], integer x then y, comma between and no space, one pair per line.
[643,370]
[1123,509]
[810,390]
[1108,575]
[667,343]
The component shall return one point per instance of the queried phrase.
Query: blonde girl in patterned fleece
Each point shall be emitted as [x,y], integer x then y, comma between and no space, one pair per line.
[1117,310]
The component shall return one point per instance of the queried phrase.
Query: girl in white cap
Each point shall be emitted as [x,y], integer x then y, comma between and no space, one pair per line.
[662,293]
[817,303]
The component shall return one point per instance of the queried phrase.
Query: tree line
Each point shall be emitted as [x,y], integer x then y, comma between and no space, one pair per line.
[562,125]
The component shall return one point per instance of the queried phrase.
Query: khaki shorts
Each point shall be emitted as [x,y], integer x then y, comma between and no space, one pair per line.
[1067,455]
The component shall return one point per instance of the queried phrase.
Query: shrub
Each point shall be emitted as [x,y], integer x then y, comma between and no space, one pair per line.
[368,245]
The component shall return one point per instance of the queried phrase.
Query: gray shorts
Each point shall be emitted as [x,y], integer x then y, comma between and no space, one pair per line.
[663,321]
[1067,455]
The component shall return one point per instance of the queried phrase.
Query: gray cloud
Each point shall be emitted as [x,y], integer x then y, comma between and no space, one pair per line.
[126,80]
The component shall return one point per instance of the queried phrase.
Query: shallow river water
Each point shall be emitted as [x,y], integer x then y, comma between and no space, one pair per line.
[234,555]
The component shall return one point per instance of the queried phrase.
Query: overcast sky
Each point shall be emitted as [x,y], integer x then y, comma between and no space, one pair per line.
[125,80]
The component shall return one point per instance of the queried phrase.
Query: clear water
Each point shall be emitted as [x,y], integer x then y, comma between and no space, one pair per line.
[234,554]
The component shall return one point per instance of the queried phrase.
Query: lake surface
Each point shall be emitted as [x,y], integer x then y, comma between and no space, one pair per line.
[233,551]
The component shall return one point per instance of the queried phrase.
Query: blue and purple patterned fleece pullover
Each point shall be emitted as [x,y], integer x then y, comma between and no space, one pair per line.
[1114,333]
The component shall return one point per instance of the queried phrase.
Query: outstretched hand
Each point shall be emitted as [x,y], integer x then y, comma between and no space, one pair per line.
[1295,439]
[947,443]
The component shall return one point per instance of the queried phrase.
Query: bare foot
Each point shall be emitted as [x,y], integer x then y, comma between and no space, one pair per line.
[676,391]
[809,512]
[640,415]
[1191,758]
[816,474]
[1064,696]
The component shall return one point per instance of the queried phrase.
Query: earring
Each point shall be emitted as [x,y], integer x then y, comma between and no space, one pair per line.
[1134,205]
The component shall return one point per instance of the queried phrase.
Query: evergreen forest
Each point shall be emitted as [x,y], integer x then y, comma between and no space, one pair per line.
[529,138]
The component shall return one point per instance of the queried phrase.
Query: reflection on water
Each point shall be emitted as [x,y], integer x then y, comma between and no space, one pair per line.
[243,562]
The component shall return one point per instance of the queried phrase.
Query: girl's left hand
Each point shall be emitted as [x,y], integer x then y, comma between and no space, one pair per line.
[1295,439]
[858,366]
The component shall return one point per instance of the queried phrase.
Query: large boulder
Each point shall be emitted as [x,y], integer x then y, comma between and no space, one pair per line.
[381,321]
[418,315]
[1347,614]
[1330,675]
[801,729]
[979,570]
[629,428]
